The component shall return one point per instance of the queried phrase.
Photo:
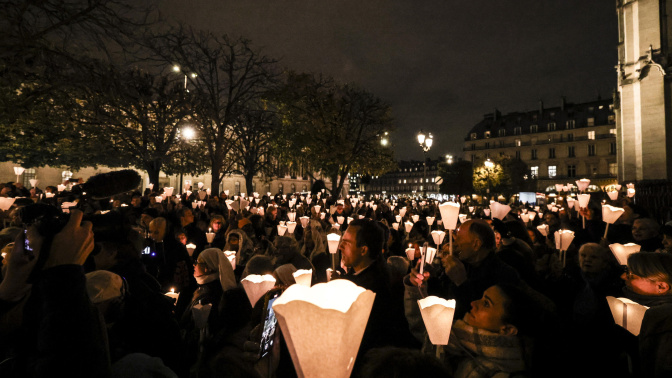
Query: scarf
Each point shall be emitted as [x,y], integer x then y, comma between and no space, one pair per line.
[647,300]
[486,352]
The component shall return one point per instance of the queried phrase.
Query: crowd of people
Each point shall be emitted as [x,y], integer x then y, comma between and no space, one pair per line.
[117,287]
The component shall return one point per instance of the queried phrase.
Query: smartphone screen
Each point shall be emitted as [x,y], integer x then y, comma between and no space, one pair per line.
[270,327]
[26,243]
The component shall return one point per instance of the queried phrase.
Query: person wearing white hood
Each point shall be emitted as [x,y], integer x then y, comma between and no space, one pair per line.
[214,275]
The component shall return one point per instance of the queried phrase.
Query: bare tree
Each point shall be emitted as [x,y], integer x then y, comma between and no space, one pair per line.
[227,76]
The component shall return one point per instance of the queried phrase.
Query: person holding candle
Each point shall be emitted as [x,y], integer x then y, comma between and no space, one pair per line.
[237,240]
[472,268]
[194,234]
[648,281]
[218,226]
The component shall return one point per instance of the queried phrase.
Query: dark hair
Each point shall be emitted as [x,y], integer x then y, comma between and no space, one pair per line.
[369,234]
[520,309]
[259,264]
[482,230]
[517,230]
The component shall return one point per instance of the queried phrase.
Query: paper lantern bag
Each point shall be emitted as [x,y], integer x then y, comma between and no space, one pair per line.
[323,341]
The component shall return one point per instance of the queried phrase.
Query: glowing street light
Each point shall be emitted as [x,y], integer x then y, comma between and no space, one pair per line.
[425,142]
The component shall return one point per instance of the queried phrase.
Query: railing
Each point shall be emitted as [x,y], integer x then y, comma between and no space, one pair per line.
[541,142]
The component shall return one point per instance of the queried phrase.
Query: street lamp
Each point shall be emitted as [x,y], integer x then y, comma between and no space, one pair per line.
[188,133]
[193,75]
[449,159]
[425,142]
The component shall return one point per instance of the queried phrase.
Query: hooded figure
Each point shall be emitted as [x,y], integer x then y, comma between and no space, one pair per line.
[214,275]
[237,240]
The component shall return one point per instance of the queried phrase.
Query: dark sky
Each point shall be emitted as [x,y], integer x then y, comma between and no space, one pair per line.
[441,64]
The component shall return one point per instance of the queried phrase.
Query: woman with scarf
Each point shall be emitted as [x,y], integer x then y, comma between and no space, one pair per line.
[494,337]
[214,275]
[648,281]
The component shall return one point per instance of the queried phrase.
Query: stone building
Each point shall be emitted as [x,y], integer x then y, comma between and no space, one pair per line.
[289,183]
[558,145]
[407,179]
[643,104]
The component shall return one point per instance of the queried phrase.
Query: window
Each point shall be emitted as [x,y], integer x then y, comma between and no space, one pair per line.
[518,155]
[28,174]
[551,153]
[399,181]
[612,148]
[551,126]
[487,134]
[473,146]
[501,143]
[294,187]
[487,144]
[502,132]
[571,152]
[570,137]
[571,171]
[612,131]
[613,169]
[590,121]
[473,136]
[517,130]
[534,154]
[591,135]
[534,128]
[237,188]
[518,143]
[433,178]
[591,150]
[404,181]
[534,171]
[552,171]
[570,124]
[611,119]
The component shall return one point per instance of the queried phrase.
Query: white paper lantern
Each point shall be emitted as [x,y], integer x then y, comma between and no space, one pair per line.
[333,240]
[622,251]
[438,236]
[256,286]
[449,214]
[303,277]
[437,314]
[323,326]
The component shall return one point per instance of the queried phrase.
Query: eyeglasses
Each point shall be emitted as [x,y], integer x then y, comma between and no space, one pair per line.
[629,275]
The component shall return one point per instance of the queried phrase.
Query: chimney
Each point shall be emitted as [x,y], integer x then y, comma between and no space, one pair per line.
[563,102]
[541,109]
[496,114]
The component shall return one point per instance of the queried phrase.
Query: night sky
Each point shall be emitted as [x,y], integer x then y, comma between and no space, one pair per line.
[440,64]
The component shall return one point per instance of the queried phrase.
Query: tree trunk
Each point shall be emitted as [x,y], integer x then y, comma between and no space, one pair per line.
[216,181]
[334,185]
[153,169]
[249,177]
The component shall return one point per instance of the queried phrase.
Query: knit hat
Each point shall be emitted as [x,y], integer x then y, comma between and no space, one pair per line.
[102,285]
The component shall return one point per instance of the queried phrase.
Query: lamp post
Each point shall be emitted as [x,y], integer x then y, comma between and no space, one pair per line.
[188,134]
[488,166]
[193,75]
[425,142]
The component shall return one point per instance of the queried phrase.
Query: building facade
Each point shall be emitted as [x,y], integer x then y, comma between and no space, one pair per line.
[559,145]
[407,179]
[289,183]
[643,104]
